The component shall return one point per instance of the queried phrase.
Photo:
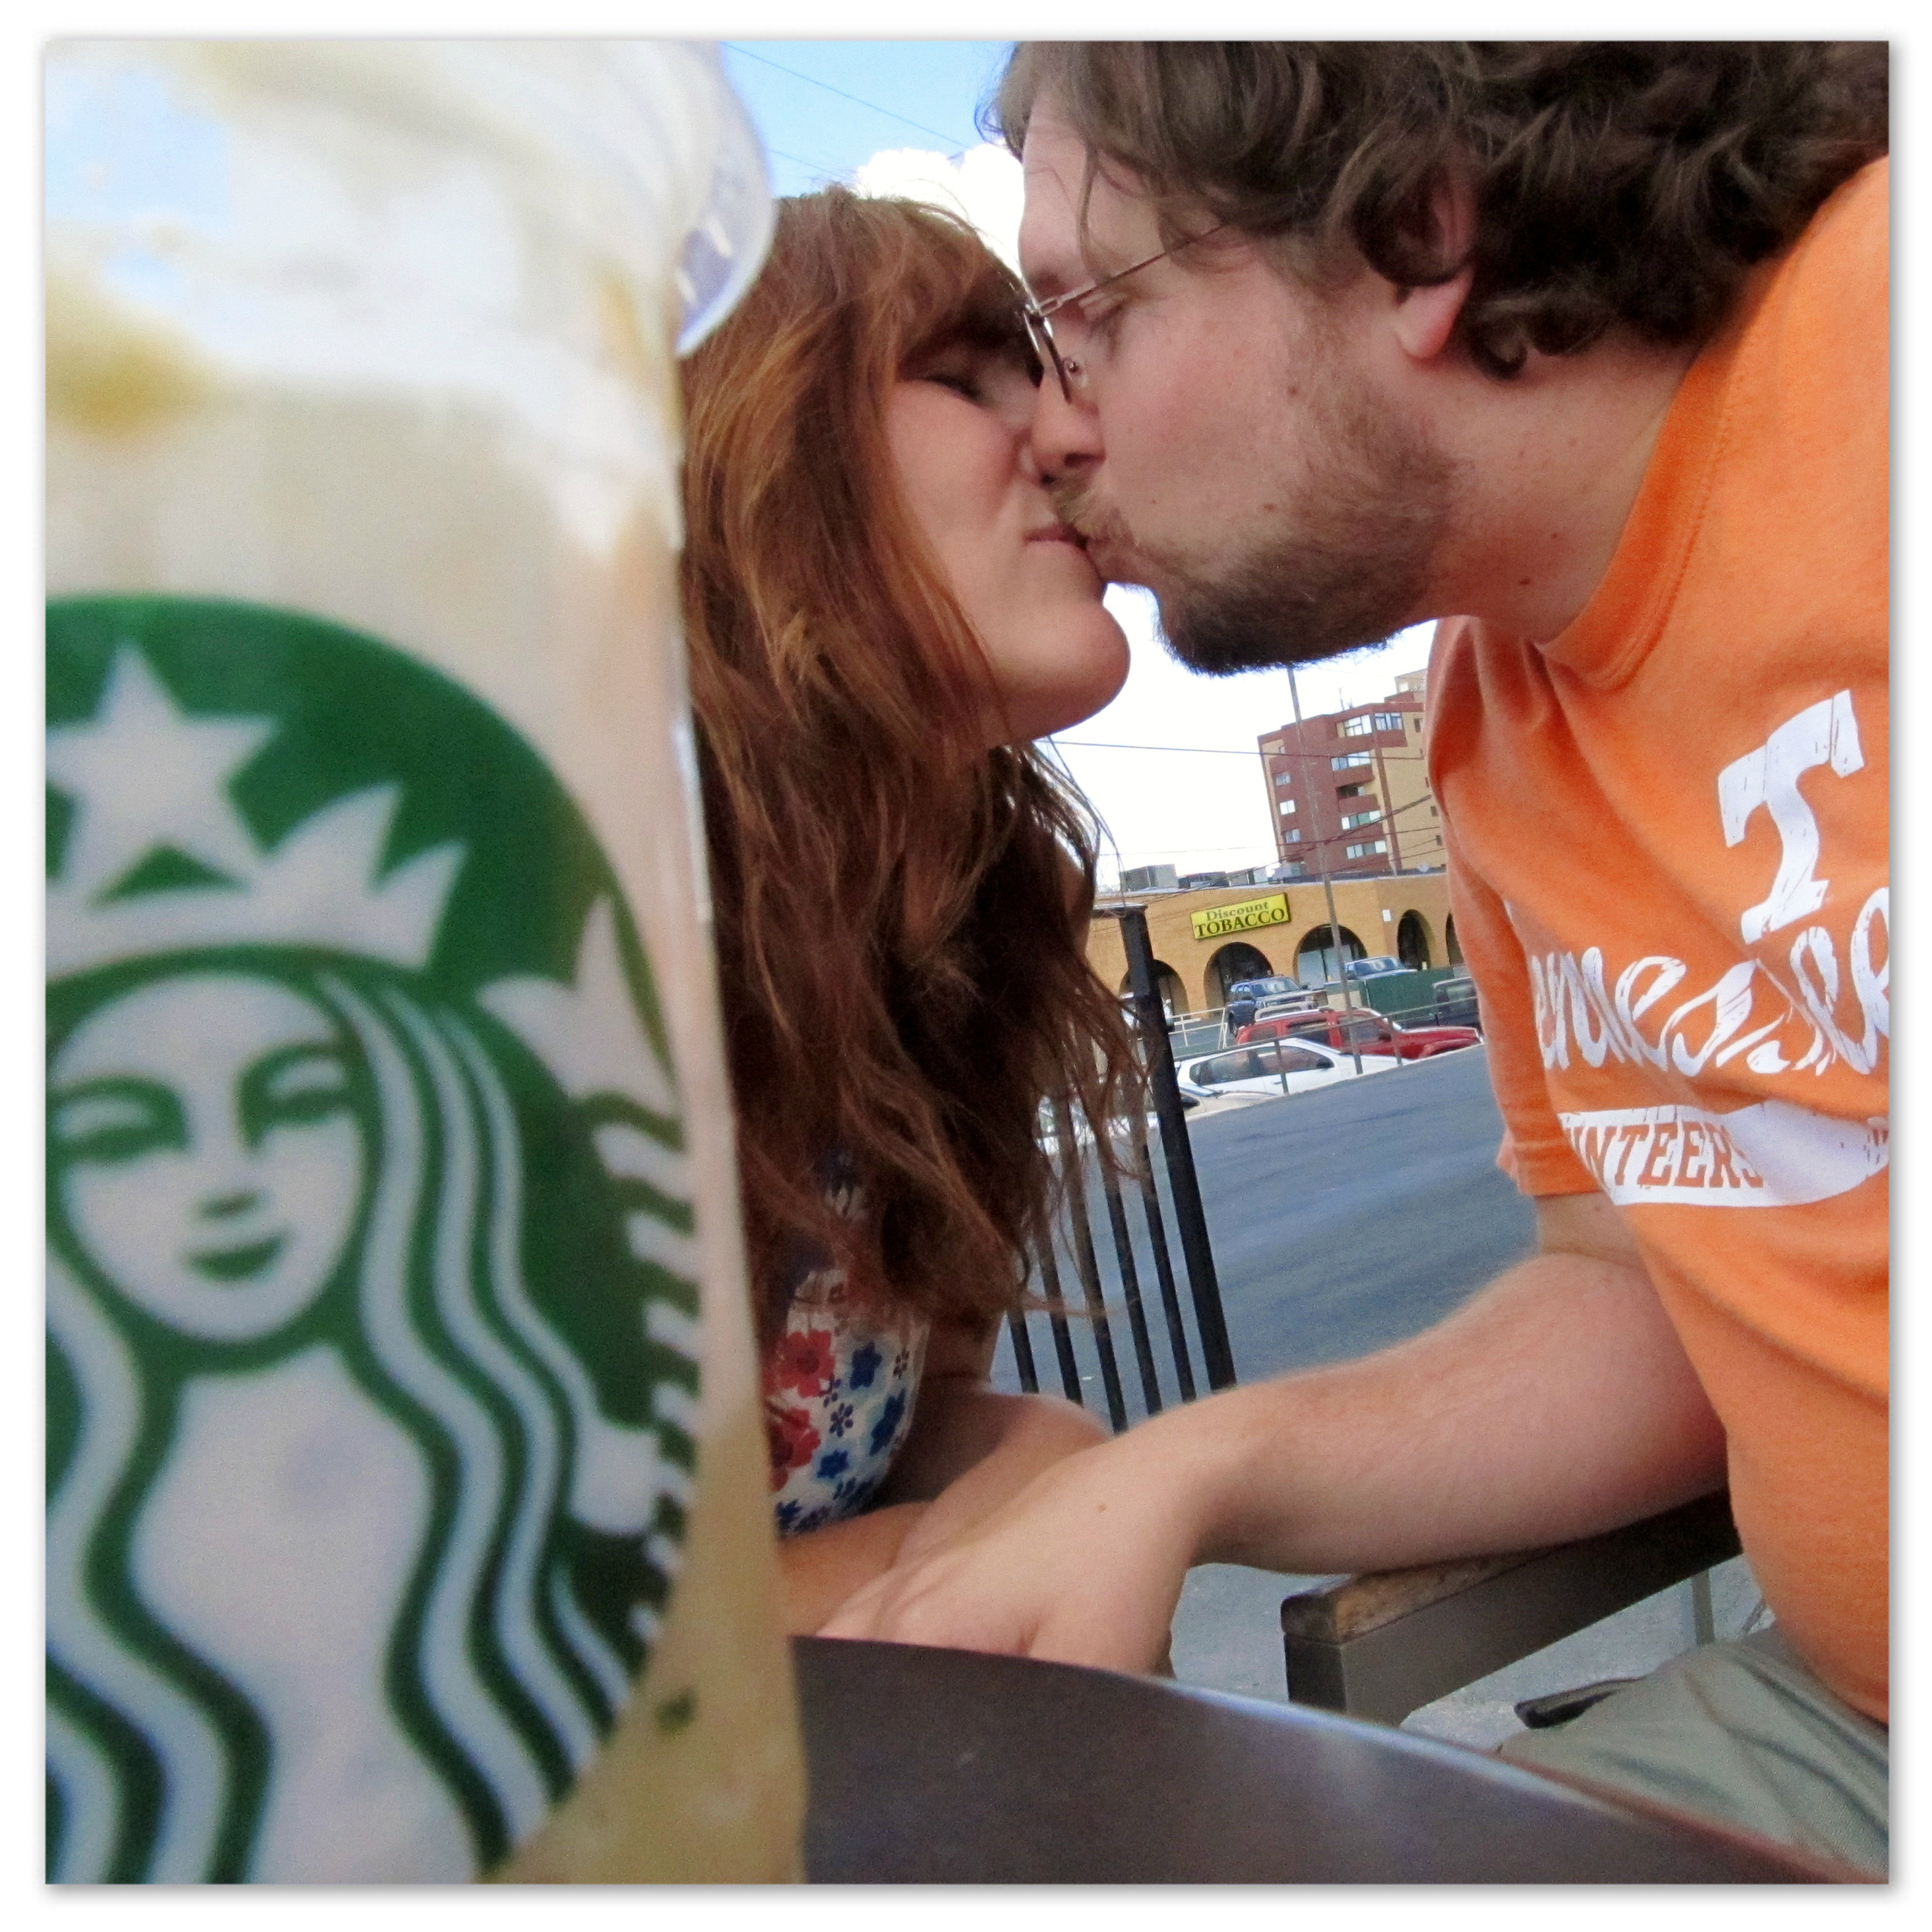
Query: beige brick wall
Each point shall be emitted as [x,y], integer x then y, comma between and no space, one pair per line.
[1360,905]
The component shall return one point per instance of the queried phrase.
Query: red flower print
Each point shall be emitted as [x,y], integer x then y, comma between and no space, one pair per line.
[804,1362]
[793,1440]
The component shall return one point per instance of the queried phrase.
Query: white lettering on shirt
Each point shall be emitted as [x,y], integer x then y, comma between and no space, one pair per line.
[1826,734]
[1801,1012]
[1771,1155]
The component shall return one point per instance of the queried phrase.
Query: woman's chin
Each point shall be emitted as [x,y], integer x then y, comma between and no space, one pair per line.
[1043,713]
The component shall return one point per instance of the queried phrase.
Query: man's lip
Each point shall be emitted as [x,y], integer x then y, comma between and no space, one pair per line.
[1058,533]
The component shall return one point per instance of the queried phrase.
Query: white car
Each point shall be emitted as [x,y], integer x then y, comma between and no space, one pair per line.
[1284,1003]
[1275,1067]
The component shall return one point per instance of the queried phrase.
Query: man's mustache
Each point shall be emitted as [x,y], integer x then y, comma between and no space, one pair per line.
[1096,523]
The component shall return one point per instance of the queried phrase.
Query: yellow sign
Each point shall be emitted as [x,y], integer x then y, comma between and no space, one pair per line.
[1243,917]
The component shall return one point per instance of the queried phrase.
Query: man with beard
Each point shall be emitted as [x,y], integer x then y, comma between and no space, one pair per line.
[1582,349]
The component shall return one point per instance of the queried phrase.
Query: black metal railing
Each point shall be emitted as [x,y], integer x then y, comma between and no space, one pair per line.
[1110,1269]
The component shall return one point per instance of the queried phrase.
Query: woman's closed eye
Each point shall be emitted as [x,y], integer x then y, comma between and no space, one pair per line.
[998,379]
[959,382]
[114,1121]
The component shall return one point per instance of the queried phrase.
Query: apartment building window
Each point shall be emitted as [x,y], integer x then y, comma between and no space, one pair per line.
[1356,818]
[1287,805]
[1368,851]
[1281,778]
[1294,869]
[1357,728]
[1349,760]
[1293,834]
[1388,720]
[1350,790]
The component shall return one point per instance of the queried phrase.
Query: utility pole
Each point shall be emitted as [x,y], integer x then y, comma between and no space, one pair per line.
[1328,892]
[1388,809]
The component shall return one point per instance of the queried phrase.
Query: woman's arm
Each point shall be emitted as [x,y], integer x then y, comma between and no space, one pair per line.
[965,1432]
[969,1449]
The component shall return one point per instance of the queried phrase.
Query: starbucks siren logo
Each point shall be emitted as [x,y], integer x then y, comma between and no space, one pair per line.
[371,1294]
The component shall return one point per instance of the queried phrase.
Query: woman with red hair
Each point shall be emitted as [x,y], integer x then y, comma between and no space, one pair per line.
[883,609]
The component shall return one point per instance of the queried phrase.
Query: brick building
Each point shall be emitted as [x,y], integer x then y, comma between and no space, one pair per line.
[1205,940]
[1354,783]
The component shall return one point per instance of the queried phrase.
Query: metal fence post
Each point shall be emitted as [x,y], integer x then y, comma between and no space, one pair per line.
[1190,1222]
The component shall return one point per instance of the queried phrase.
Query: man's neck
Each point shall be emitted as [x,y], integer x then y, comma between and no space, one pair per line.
[1554,461]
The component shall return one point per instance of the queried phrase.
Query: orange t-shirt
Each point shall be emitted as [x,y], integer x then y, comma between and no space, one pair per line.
[1667,845]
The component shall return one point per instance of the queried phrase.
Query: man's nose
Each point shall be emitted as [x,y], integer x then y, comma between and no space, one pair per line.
[1065,435]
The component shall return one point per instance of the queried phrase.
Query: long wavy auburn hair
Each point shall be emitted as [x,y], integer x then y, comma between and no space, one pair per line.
[901,914]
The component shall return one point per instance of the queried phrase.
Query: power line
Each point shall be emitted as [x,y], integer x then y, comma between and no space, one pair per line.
[1174,851]
[954,146]
[1206,750]
[818,170]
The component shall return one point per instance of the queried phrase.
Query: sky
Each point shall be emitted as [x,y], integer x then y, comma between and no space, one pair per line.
[1171,765]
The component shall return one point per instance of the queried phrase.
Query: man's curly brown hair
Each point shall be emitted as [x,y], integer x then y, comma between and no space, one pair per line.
[1616,185]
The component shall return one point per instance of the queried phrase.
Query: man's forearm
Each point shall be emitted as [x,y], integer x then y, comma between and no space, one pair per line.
[1556,1403]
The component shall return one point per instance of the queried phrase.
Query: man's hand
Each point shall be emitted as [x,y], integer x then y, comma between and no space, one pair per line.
[1084,1566]
[1556,1403]
[970,1449]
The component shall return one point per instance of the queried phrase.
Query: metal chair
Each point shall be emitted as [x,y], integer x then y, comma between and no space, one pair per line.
[1382,1644]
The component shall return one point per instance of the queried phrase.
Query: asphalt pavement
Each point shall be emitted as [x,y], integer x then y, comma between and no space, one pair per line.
[1341,1220]
[1345,1219]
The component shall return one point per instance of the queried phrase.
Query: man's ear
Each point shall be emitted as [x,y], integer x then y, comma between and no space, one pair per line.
[1425,317]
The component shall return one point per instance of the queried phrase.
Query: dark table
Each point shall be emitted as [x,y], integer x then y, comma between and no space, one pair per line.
[944,1766]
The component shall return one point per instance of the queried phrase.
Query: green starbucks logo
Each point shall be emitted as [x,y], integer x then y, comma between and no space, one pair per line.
[371,1300]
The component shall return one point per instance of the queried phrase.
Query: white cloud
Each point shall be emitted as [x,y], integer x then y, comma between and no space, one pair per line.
[984,184]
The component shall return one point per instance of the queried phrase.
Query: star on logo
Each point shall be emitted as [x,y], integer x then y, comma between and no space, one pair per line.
[145,775]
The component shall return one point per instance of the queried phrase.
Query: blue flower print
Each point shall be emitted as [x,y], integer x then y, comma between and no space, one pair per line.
[839,1420]
[788,1515]
[887,1425]
[866,1359]
[852,1491]
[833,1462]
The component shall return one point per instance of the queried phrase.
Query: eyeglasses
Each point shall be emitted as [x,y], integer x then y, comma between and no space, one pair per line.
[1071,371]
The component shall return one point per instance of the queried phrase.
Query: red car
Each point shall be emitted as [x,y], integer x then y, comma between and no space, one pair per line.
[1371,1032]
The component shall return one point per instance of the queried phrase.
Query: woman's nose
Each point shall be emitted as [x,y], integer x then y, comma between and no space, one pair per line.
[223,1206]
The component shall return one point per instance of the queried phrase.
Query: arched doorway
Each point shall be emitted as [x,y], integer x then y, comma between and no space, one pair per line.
[1315,960]
[1449,940]
[1168,983]
[1235,961]
[1411,942]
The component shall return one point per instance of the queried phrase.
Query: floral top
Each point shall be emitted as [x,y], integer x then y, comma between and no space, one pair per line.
[839,1391]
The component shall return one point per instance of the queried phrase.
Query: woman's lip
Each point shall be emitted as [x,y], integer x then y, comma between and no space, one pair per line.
[1059,533]
[238,1264]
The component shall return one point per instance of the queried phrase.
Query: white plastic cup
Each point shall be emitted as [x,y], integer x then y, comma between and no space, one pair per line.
[407,1515]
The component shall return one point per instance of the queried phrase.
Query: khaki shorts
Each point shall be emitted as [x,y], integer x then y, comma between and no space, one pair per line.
[1742,1732]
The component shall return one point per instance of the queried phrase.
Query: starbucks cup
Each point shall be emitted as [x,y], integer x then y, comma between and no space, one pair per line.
[407,1513]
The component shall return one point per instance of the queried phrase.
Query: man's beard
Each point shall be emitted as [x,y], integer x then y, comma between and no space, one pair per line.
[1350,566]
